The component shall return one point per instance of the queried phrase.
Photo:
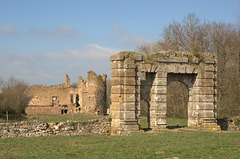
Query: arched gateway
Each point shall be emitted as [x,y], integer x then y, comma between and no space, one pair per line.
[136,77]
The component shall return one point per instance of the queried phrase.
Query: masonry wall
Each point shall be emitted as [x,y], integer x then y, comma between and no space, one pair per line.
[40,128]
[136,77]
[87,97]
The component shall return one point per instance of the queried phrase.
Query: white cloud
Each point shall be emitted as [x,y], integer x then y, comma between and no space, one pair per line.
[50,68]
[62,31]
[8,29]
[91,52]
[127,39]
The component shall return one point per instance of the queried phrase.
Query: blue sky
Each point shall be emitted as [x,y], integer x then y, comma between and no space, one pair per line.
[42,40]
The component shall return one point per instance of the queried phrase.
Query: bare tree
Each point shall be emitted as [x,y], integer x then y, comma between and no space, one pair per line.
[13,99]
[221,39]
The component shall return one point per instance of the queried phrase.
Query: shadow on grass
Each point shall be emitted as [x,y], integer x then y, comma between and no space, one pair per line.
[175,127]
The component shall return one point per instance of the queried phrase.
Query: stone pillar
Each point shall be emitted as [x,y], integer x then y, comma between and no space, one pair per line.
[203,95]
[158,105]
[123,95]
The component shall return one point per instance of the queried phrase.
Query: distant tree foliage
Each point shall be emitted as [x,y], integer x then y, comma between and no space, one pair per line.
[221,39]
[177,100]
[12,96]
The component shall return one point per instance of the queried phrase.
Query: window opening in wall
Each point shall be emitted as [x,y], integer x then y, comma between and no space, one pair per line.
[77,100]
[71,98]
[54,101]
[64,111]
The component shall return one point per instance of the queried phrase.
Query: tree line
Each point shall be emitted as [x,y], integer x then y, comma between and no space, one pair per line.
[199,36]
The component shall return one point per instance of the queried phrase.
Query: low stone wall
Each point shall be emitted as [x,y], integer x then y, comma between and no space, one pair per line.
[40,128]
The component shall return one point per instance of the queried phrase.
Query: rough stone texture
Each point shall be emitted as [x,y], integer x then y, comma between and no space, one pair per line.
[88,97]
[40,128]
[139,80]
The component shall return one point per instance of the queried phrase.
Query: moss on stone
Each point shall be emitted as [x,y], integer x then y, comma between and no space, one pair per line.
[152,58]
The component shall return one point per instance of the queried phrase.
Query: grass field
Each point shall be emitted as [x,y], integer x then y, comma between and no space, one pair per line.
[166,143]
[163,144]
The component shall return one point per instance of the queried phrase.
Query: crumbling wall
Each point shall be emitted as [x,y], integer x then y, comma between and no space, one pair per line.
[88,97]
[40,128]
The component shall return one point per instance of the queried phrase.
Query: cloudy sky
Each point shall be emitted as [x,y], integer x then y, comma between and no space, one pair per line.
[42,40]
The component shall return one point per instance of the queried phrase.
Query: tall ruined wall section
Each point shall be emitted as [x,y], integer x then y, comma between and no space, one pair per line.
[94,93]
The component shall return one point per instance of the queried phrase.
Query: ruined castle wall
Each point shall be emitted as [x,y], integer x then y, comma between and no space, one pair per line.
[42,95]
[88,97]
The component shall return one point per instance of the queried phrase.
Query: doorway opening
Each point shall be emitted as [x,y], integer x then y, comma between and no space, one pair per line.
[145,102]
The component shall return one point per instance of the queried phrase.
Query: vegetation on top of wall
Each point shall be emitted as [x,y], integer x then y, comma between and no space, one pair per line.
[152,58]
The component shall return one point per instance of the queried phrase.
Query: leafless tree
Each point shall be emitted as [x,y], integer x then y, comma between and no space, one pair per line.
[13,99]
[221,39]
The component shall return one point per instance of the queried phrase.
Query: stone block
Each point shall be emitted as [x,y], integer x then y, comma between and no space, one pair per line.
[113,58]
[161,121]
[117,114]
[160,82]
[117,81]
[117,65]
[154,68]
[206,75]
[203,90]
[209,60]
[117,73]
[201,98]
[131,106]
[129,81]
[161,68]
[130,73]
[116,106]
[171,68]
[204,83]
[159,98]
[129,65]
[116,97]
[120,57]
[143,76]
[209,68]
[161,75]
[129,97]
[189,69]
[182,68]
[129,115]
[202,105]
[129,89]
[159,89]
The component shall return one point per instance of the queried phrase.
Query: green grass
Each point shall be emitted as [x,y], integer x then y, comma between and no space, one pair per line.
[53,118]
[171,122]
[163,144]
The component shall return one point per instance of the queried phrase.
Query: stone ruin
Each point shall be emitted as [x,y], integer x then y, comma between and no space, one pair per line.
[87,97]
[136,77]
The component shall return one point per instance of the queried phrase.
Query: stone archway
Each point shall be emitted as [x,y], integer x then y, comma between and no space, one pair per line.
[135,77]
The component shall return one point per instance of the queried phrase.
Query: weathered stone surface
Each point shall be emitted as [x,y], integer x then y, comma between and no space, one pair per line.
[160,82]
[206,75]
[39,128]
[204,83]
[87,97]
[145,81]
